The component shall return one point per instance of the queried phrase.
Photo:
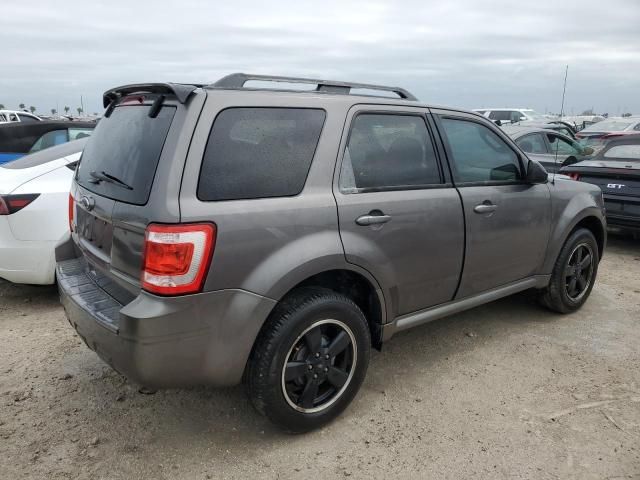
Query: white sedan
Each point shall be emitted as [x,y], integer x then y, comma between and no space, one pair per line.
[34,213]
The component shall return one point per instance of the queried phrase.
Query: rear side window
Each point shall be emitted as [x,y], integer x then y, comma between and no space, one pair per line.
[126,146]
[388,152]
[78,133]
[479,154]
[27,119]
[259,153]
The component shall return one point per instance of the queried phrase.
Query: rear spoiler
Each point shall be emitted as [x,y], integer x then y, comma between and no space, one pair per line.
[181,91]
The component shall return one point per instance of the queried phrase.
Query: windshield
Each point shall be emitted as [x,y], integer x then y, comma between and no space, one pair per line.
[612,125]
[534,115]
[125,150]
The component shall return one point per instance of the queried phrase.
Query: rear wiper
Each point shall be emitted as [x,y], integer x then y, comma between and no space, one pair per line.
[104,176]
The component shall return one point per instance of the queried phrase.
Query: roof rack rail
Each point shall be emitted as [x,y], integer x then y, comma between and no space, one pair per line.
[237,81]
[182,91]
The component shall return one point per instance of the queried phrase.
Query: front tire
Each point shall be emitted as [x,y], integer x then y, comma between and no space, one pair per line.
[309,360]
[574,273]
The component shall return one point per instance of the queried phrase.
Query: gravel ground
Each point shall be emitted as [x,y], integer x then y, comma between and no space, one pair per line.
[507,390]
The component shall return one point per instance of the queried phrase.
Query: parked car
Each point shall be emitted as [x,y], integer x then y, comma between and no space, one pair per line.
[512,115]
[10,116]
[34,193]
[18,139]
[580,122]
[598,134]
[548,147]
[222,233]
[616,170]
[555,125]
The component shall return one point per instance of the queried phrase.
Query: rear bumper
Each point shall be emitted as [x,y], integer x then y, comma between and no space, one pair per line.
[622,211]
[160,342]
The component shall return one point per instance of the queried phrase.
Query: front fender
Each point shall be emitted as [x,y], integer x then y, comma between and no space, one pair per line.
[569,208]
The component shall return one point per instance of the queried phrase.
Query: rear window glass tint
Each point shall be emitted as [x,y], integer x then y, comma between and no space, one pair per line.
[47,155]
[50,139]
[630,152]
[126,145]
[259,153]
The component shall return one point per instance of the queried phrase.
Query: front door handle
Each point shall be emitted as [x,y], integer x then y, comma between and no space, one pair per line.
[370,219]
[485,207]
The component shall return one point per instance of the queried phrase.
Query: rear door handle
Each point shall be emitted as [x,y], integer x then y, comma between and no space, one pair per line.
[372,219]
[485,207]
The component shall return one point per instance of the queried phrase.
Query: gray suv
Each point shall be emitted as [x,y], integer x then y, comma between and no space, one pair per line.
[225,234]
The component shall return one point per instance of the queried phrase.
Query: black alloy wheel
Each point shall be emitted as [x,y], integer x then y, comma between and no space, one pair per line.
[319,366]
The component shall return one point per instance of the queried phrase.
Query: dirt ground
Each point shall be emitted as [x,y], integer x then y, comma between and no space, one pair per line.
[507,390]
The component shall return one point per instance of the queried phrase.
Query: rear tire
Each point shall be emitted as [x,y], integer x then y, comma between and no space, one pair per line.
[574,273]
[309,360]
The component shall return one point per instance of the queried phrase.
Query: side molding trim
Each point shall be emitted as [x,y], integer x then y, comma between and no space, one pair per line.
[434,313]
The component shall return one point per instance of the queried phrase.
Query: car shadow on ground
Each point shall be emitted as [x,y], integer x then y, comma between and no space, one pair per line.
[105,403]
[225,415]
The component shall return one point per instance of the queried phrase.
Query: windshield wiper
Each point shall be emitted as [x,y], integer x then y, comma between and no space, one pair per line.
[104,176]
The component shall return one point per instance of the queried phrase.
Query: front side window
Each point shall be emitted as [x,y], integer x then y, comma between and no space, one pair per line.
[479,154]
[517,117]
[388,152]
[259,153]
[502,115]
[49,139]
[533,143]
[562,146]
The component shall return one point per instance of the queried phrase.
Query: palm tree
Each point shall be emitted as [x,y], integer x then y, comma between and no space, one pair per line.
[32,109]
[66,110]
[53,111]
[79,110]
[22,106]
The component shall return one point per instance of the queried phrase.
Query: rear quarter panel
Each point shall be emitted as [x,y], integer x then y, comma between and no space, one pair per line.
[268,245]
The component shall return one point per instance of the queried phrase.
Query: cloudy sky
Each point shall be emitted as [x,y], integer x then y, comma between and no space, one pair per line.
[464,53]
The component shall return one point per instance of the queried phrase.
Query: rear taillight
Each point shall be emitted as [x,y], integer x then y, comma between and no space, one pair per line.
[177,257]
[573,176]
[72,206]
[14,203]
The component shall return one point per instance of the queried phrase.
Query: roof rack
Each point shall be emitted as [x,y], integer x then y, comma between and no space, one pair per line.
[237,81]
[182,91]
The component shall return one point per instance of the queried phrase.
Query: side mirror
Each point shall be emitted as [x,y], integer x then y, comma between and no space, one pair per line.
[498,123]
[588,151]
[536,174]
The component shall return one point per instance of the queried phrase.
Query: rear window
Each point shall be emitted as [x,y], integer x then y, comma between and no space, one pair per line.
[259,153]
[125,146]
[47,155]
[628,152]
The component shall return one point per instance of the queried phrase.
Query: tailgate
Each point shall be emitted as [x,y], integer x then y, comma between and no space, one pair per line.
[111,193]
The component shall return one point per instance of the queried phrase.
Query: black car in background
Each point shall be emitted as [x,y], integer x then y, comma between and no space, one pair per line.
[18,139]
[616,170]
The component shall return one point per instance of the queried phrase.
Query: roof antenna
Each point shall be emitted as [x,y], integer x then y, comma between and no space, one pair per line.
[564,90]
